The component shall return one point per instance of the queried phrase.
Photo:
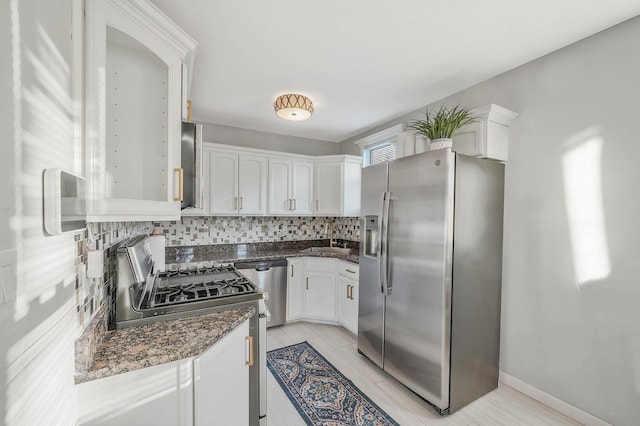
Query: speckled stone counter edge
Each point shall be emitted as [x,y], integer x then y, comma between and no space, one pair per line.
[163,342]
[209,255]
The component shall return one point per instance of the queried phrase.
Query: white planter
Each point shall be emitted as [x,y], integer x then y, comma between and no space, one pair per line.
[440,143]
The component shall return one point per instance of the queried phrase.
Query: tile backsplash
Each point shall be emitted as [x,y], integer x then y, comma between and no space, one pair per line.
[241,230]
[94,293]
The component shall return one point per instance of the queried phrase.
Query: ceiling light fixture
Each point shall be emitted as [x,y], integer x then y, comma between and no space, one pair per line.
[293,107]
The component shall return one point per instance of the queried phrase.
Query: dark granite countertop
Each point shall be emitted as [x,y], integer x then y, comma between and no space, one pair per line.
[152,344]
[229,253]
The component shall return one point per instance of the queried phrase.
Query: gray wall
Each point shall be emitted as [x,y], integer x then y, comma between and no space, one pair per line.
[255,139]
[571,298]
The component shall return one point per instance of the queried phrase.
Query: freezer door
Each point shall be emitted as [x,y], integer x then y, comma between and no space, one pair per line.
[371,299]
[420,245]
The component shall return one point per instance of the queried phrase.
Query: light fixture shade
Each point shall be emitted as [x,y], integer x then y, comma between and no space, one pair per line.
[293,107]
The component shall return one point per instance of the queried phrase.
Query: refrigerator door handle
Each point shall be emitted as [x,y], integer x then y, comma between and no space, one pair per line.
[381,241]
[383,258]
[385,248]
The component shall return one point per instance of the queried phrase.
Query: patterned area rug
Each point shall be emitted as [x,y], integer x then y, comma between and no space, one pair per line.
[320,393]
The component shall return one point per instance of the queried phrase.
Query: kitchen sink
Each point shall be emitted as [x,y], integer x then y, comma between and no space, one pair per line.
[335,250]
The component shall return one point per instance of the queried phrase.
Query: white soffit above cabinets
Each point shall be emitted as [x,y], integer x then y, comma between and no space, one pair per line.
[365,62]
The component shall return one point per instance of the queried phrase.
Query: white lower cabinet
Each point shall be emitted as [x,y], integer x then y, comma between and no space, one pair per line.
[323,290]
[348,304]
[348,276]
[295,288]
[221,381]
[321,296]
[320,289]
[211,389]
[158,395]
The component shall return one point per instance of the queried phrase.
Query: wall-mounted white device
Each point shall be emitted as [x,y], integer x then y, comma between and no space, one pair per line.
[65,207]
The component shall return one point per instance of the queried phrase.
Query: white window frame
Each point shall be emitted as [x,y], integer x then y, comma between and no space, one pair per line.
[389,135]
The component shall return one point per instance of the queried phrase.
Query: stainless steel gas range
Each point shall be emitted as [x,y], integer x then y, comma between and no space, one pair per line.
[144,295]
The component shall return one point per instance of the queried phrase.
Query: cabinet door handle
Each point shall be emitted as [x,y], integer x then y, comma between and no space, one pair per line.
[236,203]
[241,203]
[249,340]
[291,271]
[294,204]
[348,287]
[307,283]
[180,172]
[350,271]
[351,292]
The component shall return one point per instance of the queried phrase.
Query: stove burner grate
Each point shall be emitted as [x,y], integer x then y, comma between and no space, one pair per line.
[176,287]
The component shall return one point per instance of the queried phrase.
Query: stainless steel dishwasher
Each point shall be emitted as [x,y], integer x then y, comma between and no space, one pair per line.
[270,276]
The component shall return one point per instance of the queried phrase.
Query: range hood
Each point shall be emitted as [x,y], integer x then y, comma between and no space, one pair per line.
[191,161]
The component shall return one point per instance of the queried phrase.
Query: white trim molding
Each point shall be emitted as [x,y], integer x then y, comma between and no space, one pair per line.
[383,135]
[551,401]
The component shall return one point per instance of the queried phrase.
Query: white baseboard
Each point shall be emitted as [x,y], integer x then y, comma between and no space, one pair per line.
[551,401]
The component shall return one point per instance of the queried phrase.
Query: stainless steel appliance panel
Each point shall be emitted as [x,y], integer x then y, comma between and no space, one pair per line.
[271,278]
[262,349]
[417,328]
[371,298]
[191,163]
[477,278]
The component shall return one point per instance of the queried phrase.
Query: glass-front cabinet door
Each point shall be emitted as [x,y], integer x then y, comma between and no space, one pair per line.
[134,93]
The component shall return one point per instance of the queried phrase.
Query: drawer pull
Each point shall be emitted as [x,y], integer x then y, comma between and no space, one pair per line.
[350,271]
[180,196]
[249,340]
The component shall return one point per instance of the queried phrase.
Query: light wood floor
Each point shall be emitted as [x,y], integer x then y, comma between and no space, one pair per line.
[503,406]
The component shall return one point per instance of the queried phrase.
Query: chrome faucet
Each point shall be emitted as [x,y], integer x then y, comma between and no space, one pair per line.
[328,227]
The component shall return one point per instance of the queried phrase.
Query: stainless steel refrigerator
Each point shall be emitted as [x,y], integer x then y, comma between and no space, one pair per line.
[430,274]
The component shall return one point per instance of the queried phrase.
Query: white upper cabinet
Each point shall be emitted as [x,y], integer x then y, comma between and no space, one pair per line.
[237,183]
[247,181]
[337,180]
[302,187]
[252,184]
[488,137]
[223,182]
[290,186]
[134,97]
[327,193]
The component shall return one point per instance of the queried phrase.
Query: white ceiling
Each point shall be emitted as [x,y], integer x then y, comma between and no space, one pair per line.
[365,62]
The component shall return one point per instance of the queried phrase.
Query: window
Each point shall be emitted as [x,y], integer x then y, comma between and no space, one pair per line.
[380,147]
[378,153]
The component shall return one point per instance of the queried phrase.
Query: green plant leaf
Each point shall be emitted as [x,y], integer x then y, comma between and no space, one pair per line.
[442,123]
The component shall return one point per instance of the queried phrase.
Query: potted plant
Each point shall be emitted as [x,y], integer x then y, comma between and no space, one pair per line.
[440,126]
